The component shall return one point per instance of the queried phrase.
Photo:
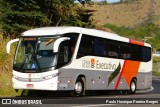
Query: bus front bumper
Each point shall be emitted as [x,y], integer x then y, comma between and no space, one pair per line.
[50,84]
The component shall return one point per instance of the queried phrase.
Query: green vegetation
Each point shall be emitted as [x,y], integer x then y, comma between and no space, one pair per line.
[3,55]
[18,16]
[156,66]
[6,88]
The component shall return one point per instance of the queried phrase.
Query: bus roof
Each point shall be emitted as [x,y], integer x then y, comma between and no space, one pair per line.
[43,31]
[46,31]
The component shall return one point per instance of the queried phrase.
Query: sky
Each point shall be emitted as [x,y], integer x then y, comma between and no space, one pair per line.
[111,1]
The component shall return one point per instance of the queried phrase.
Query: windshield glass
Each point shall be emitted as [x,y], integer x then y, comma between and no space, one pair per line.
[35,53]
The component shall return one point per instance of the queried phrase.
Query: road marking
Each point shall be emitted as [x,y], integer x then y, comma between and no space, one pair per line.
[93,105]
[157,79]
[144,91]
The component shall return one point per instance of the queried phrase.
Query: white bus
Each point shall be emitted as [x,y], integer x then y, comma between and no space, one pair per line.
[78,59]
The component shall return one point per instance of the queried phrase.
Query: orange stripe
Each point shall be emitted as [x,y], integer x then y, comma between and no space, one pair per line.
[136,42]
[130,68]
[119,78]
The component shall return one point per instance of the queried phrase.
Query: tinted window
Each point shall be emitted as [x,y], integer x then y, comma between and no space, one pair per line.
[125,51]
[146,54]
[99,47]
[86,46]
[66,49]
[112,49]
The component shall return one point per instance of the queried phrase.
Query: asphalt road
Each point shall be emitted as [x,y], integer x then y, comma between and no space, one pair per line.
[101,99]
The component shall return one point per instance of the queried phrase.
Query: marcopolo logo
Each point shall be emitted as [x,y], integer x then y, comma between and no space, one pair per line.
[88,63]
[92,63]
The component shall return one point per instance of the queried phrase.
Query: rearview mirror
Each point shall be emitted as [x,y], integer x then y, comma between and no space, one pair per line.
[9,44]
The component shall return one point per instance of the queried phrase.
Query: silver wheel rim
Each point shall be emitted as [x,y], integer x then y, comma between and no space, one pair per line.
[133,86]
[78,87]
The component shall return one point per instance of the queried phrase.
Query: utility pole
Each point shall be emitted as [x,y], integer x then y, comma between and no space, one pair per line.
[146,38]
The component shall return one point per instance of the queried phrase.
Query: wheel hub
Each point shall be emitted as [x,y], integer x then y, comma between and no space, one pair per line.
[133,87]
[78,87]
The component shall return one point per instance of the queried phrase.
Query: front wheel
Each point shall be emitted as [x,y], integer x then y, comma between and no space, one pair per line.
[78,88]
[133,86]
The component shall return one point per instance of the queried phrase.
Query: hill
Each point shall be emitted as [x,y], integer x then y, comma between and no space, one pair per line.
[130,14]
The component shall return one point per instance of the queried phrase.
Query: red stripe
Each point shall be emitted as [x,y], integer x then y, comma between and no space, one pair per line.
[132,41]
[119,78]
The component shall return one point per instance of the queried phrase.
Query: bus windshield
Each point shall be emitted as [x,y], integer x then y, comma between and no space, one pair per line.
[35,53]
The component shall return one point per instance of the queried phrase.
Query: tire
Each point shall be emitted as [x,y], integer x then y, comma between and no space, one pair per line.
[133,86]
[78,88]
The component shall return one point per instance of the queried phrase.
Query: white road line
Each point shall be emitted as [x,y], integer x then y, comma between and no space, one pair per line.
[93,105]
[144,91]
[157,79]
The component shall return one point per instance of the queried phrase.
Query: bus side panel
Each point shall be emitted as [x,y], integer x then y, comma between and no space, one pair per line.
[144,77]
[95,80]
[71,75]
[144,80]
[98,77]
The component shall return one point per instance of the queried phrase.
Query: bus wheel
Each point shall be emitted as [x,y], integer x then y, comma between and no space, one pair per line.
[133,86]
[79,87]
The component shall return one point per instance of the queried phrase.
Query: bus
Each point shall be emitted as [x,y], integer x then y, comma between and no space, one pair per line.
[78,59]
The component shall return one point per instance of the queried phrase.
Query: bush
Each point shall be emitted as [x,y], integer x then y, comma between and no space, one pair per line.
[156,66]
[3,55]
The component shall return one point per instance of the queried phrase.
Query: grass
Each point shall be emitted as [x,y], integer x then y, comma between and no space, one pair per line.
[6,70]
[6,89]
[156,66]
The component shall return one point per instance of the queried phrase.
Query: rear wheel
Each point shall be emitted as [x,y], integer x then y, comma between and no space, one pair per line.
[79,88]
[133,86]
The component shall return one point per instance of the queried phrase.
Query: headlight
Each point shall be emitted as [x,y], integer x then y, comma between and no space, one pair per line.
[15,77]
[50,76]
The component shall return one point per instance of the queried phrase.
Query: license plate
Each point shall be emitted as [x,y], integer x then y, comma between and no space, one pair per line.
[30,86]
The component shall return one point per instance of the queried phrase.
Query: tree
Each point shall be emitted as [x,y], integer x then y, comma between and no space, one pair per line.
[56,11]
[20,15]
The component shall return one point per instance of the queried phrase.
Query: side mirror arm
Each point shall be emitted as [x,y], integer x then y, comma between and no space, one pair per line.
[58,42]
[9,44]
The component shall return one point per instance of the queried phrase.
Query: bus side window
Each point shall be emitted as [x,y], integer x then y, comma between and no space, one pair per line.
[86,46]
[73,40]
[113,50]
[99,47]
[146,54]
[63,54]
[125,51]
[137,53]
